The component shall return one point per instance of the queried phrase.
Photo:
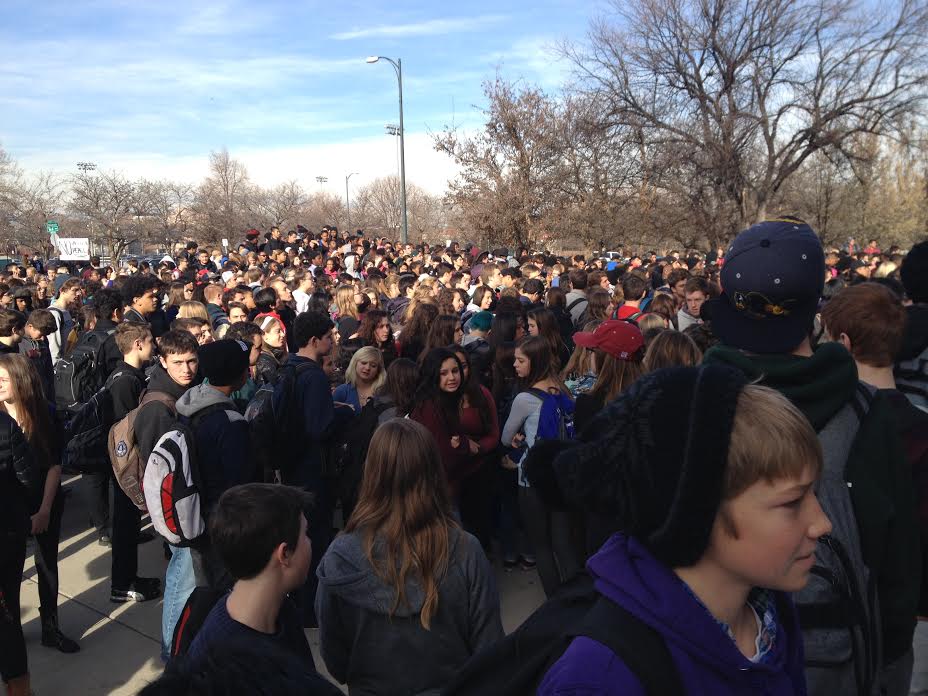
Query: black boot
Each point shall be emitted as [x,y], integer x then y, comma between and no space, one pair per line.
[52,637]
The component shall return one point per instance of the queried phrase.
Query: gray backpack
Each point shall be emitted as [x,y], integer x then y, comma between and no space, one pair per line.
[838,609]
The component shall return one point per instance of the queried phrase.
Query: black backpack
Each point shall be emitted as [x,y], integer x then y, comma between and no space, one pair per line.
[358,440]
[79,375]
[271,425]
[518,663]
[192,617]
[87,430]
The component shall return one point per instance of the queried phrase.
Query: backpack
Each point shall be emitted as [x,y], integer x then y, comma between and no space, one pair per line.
[912,379]
[78,374]
[123,448]
[269,415]
[556,421]
[838,608]
[358,440]
[518,663]
[171,486]
[192,617]
[578,324]
[87,431]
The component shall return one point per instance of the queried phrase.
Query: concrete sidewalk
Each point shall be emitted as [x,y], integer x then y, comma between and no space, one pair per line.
[120,643]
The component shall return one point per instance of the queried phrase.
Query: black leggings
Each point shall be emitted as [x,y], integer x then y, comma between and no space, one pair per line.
[550,532]
[13,661]
[46,561]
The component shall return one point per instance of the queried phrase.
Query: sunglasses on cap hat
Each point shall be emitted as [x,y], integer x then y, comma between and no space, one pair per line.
[759,306]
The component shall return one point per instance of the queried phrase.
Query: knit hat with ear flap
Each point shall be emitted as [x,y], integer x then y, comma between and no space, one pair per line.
[654,459]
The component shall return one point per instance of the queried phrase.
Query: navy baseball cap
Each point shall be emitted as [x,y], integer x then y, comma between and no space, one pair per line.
[772,280]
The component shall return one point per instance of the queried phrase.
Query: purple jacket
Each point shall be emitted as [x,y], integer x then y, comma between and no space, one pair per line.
[708,661]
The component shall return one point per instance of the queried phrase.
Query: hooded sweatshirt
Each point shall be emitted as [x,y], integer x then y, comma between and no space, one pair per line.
[707,659]
[376,653]
[877,473]
[222,442]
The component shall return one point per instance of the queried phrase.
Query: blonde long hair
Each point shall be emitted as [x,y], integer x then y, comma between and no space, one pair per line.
[404,509]
[344,301]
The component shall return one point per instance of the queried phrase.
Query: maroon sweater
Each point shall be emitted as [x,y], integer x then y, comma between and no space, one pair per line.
[459,463]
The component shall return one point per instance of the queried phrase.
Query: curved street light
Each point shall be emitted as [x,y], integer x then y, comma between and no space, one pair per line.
[398,67]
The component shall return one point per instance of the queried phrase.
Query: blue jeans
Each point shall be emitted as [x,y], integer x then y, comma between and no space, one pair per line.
[179,583]
[919,685]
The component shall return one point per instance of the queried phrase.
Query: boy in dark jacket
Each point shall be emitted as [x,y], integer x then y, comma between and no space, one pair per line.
[222,443]
[175,372]
[126,384]
[313,419]
[773,279]
[12,327]
[34,345]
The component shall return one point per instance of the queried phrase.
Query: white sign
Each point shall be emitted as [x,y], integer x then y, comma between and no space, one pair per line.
[74,248]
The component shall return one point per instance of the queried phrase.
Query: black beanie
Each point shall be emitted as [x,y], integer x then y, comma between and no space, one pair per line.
[223,362]
[654,459]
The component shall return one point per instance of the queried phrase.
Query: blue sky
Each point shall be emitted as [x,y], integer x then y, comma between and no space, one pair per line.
[149,88]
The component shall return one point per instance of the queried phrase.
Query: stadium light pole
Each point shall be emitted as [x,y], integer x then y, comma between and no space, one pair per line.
[398,67]
[348,200]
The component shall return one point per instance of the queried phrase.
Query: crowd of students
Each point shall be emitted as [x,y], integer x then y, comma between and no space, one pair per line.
[730,450]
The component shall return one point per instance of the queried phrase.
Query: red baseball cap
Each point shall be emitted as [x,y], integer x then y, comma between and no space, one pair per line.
[620,339]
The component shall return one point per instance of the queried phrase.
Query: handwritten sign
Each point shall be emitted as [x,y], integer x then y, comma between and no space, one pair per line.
[74,248]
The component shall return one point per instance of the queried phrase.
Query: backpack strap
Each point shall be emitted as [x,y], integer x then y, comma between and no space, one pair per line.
[635,643]
[576,302]
[152,396]
[539,393]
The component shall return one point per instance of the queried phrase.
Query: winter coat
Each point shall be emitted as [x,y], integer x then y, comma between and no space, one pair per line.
[20,476]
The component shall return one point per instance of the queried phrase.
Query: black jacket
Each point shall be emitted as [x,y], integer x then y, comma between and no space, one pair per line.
[109,351]
[126,385]
[156,418]
[20,477]
[268,366]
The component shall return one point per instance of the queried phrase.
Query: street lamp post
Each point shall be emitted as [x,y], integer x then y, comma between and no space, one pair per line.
[348,200]
[398,66]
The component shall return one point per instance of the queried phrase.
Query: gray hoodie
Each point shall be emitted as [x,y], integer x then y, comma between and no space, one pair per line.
[222,441]
[376,653]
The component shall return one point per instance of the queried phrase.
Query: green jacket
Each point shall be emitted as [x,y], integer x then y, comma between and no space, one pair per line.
[877,470]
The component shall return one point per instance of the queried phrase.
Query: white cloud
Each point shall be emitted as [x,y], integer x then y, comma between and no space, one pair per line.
[431,27]
[370,157]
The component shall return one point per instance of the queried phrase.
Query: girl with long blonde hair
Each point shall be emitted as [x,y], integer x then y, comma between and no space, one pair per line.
[405,596]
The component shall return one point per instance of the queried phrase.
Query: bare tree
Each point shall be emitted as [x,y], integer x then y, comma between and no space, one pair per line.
[281,206]
[506,184]
[107,200]
[222,199]
[742,94]
[170,204]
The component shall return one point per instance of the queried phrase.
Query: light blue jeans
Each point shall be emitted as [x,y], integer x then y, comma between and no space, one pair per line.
[179,583]
[919,685]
